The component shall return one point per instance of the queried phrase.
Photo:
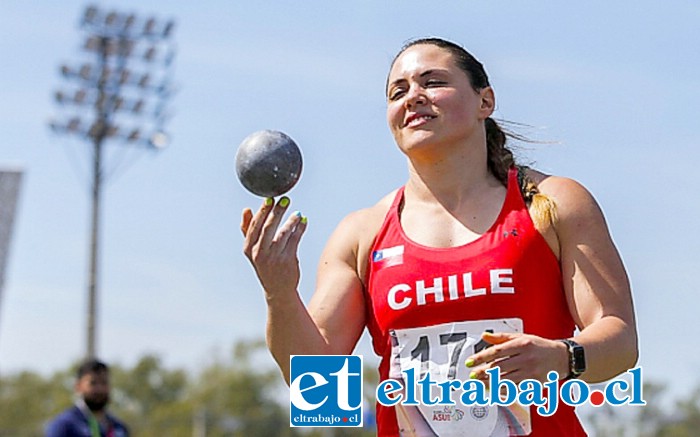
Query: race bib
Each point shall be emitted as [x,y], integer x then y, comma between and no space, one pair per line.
[441,351]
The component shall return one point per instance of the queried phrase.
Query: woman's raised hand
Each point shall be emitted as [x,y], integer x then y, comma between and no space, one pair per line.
[271,248]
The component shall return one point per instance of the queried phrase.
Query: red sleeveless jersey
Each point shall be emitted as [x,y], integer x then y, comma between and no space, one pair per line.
[427,307]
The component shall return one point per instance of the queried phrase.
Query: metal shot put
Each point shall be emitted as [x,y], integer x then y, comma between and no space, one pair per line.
[268,163]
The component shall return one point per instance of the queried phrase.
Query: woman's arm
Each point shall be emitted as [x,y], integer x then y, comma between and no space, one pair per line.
[595,282]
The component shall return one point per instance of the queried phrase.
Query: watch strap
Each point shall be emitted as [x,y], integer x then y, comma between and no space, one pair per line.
[577,362]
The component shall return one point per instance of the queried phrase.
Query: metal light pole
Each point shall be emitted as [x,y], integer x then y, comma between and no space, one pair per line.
[119,94]
[10,182]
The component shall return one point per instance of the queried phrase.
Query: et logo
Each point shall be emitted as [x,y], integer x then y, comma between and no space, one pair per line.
[325,390]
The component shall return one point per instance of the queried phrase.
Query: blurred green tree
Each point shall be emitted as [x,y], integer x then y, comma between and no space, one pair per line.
[28,401]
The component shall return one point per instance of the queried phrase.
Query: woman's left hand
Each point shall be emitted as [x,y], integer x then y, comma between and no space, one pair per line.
[520,357]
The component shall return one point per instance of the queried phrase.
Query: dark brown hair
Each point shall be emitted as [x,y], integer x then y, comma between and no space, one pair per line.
[91,366]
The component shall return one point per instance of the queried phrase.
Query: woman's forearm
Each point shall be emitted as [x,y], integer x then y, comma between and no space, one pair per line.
[610,345]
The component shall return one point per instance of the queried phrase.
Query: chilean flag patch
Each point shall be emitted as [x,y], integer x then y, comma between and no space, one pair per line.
[388,257]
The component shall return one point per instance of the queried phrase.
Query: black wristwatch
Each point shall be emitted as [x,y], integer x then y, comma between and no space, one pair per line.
[577,358]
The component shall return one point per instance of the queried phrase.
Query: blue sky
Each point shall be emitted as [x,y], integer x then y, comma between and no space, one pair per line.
[611,89]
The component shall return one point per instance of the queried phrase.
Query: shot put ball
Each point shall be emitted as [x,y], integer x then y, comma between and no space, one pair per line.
[268,163]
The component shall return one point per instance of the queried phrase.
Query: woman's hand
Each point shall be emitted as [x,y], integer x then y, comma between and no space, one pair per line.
[520,357]
[271,248]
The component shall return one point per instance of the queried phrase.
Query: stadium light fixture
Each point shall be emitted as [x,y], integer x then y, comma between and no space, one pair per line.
[125,78]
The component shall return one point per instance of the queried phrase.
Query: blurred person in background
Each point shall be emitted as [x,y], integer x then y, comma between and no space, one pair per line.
[88,417]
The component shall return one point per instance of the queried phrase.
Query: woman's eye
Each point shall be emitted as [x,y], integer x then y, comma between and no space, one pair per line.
[396,93]
[435,82]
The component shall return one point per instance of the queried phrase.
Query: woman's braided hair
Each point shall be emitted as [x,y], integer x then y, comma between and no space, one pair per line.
[499,157]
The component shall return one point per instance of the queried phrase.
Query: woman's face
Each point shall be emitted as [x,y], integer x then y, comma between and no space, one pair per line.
[431,100]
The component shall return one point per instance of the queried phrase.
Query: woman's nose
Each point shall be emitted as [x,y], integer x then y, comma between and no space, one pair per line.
[415,96]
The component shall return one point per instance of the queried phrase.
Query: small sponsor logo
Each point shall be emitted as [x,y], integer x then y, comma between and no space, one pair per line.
[448,414]
[479,412]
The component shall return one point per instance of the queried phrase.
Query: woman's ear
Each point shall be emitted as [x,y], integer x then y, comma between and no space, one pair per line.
[488,102]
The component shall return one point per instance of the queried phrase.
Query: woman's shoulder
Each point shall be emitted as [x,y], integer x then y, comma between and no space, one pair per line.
[578,215]
[367,221]
[355,234]
[569,195]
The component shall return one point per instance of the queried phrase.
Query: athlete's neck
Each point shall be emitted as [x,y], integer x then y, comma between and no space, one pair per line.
[450,179]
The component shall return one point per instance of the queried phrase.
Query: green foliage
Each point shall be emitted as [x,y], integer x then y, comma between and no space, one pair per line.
[682,419]
[27,400]
[151,399]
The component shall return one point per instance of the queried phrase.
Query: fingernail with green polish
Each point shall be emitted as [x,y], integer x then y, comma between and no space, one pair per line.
[284,202]
[469,362]
[304,220]
[472,375]
[269,201]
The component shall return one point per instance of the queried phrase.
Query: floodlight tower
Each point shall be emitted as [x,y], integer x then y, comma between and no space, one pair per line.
[10,181]
[119,93]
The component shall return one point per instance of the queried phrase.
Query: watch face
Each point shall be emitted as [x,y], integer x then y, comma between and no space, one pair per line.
[579,360]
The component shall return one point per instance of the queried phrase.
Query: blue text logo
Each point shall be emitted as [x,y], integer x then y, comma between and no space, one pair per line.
[325,390]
